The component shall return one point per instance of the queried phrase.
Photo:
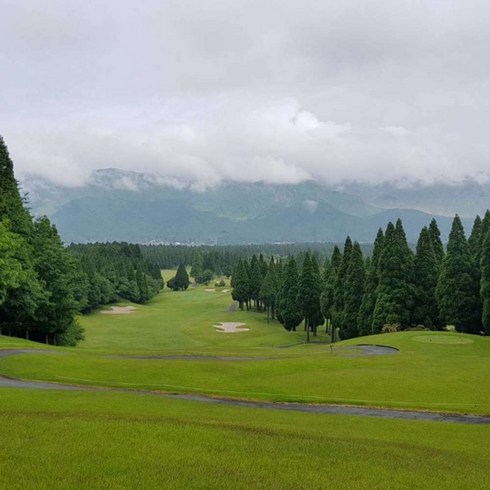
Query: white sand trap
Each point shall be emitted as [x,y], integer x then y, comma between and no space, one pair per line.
[210,290]
[225,290]
[119,310]
[230,327]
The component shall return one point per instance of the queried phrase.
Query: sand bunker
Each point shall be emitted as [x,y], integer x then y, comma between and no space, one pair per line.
[230,327]
[225,290]
[119,310]
[210,290]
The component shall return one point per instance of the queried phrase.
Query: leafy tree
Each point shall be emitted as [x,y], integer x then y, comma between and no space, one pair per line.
[458,289]
[11,270]
[204,277]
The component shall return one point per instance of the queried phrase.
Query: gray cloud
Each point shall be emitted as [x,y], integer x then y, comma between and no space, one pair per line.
[279,91]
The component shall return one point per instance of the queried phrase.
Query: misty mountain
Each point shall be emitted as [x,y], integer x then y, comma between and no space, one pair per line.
[138,207]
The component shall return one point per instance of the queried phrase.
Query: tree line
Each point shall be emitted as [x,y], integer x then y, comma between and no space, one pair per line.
[44,286]
[393,289]
[221,259]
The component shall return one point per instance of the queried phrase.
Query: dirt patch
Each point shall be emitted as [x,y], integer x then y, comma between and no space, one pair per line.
[209,290]
[119,310]
[225,291]
[230,327]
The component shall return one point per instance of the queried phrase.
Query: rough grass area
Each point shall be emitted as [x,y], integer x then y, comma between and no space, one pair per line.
[53,440]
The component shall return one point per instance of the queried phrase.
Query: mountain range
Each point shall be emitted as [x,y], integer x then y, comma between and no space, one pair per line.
[144,208]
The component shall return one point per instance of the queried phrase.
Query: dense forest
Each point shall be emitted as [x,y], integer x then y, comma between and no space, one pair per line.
[393,289]
[44,286]
[221,259]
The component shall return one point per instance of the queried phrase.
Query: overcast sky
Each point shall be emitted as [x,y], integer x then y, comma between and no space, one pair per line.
[274,90]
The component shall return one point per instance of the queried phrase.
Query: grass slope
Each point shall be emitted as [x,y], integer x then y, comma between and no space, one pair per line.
[54,440]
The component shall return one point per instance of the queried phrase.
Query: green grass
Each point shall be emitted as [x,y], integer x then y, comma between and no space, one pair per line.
[433,370]
[79,440]
[52,439]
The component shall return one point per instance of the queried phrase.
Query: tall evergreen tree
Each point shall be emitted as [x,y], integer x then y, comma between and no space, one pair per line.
[435,236]
[240,291]
[458,287]
[353,293]
[426,272]
[485,282]
[339,293]
[268,291]
[395,294]
[291,313]
[366,310]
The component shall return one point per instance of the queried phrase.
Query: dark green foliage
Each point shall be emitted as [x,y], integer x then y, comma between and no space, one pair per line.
[366,310]
[475,240]
[181,280]
[269,291]
[197,265]
[116,271]
[395,292]
[255,280]
[353,293]
[435,236]
[426,273]
[241,288]
[485,282]
[338,308]
[204,277]
[458,287]
[290,310]
[309,295]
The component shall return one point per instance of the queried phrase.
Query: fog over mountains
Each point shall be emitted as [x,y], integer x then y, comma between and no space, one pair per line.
[144,207]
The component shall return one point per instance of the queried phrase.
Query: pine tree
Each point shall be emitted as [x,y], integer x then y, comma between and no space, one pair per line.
[458,288]
[365,317]
[338,308]
[289,306]
[268,291]
[426,272]
[197,265]
[240,291]
[485,282]
[181,280]
[327,297]
[395,292]
[475,240]
[255,280]
[309,294]
[353,293]
[435,236]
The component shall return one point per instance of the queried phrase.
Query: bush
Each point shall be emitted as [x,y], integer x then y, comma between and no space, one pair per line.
[391,327]
[220,284]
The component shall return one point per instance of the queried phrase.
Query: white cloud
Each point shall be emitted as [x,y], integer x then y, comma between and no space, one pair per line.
[279,91]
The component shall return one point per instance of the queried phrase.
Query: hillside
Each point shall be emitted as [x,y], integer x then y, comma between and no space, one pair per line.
[138,207]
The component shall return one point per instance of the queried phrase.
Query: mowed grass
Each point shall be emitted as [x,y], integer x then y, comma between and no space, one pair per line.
[102,440]
[448,372]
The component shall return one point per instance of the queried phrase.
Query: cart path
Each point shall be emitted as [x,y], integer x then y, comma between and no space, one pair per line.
[298,407]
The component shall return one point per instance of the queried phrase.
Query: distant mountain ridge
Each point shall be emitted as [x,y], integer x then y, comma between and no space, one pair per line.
[139,207]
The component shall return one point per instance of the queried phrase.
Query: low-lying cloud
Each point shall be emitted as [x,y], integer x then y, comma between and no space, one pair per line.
[276,91]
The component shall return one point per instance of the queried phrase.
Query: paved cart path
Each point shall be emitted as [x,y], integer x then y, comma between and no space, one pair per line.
[299,407]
